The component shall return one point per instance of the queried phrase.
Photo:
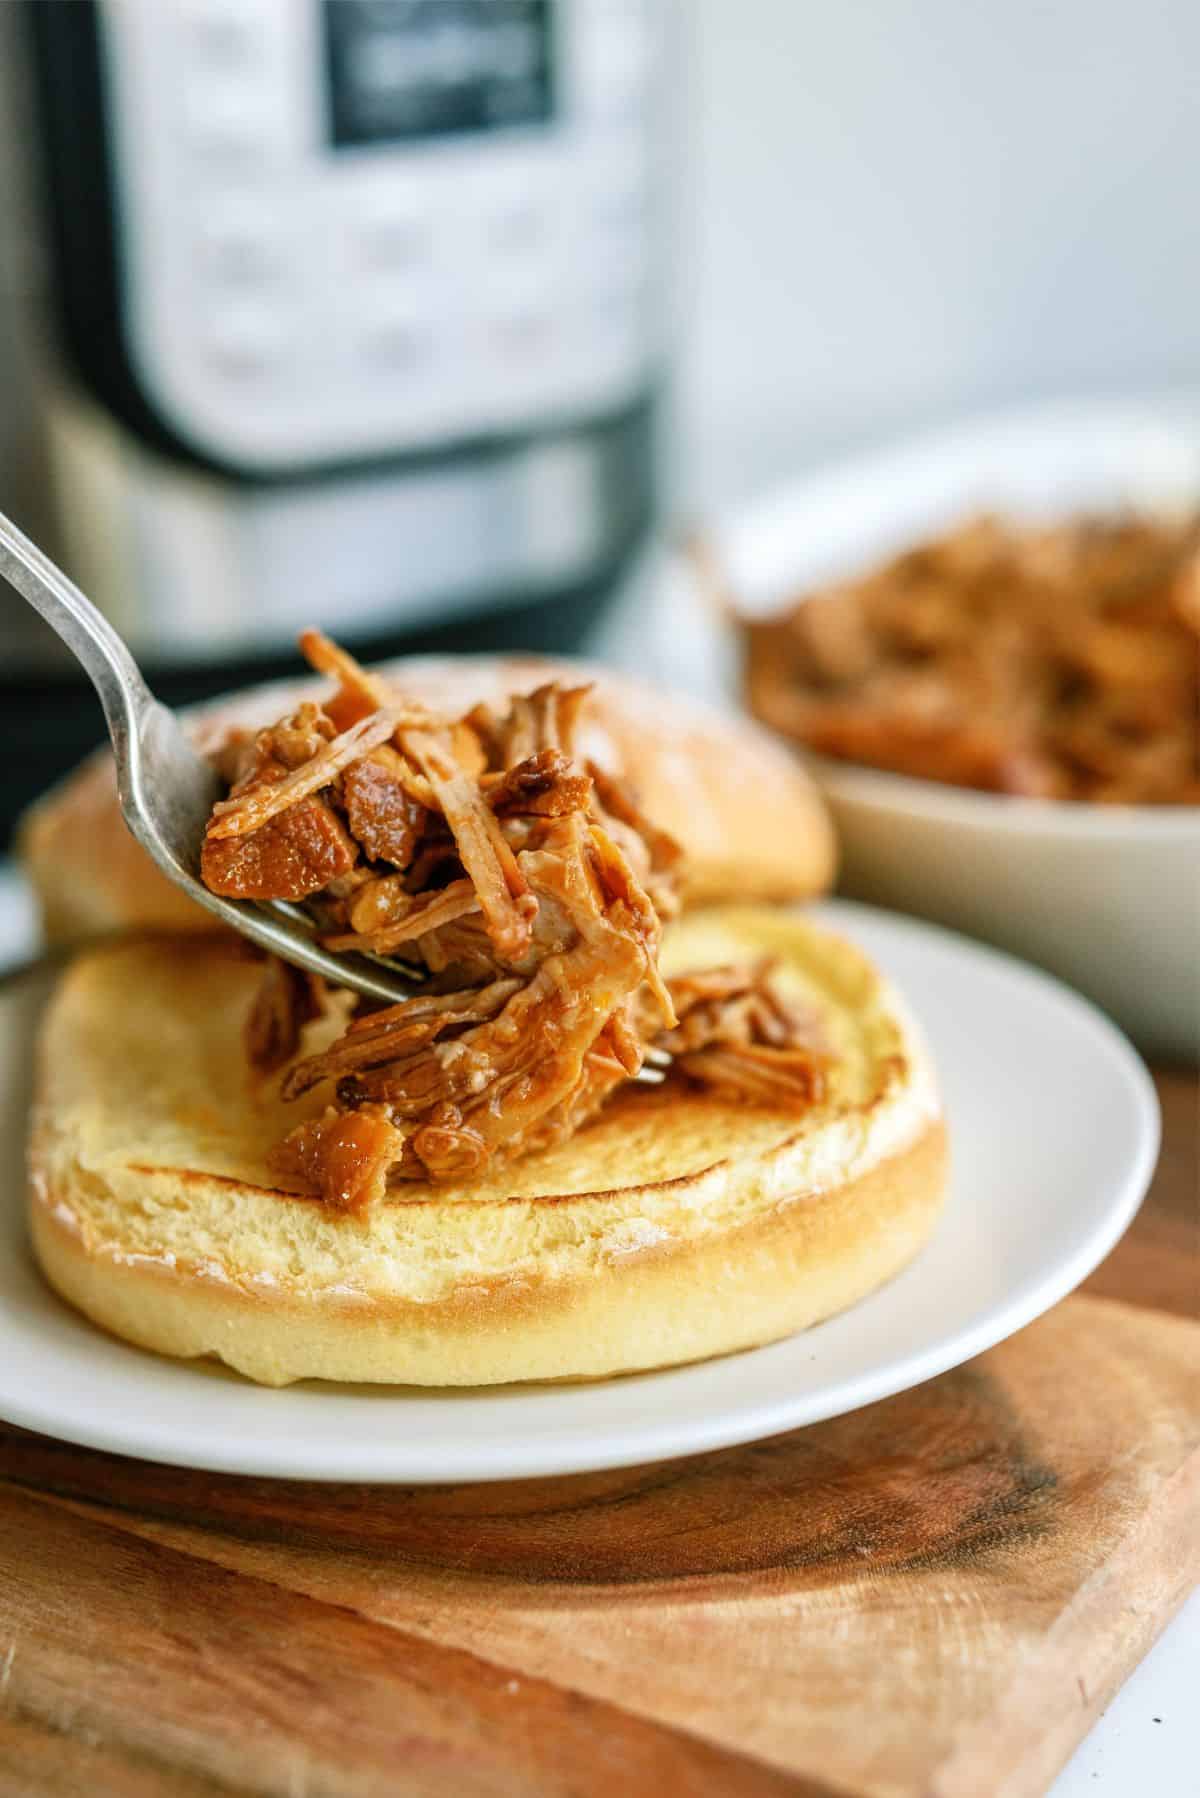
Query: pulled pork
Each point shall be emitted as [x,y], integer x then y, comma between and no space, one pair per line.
[737,1035]
[528,891]
[1058,662]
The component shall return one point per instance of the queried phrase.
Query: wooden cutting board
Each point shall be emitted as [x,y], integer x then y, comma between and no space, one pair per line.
[936,1595]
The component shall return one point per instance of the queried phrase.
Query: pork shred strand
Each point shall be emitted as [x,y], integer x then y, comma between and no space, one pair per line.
[738,1036]
[504,896]
[286,1000]
[528,888]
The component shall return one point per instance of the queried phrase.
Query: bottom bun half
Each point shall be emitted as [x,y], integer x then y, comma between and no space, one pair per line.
[675,1227]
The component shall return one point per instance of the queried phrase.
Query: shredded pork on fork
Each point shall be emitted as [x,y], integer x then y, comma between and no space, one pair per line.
[528,887]
[502,890]
[258,804]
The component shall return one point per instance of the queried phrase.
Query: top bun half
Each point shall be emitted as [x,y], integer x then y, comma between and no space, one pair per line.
[749,819]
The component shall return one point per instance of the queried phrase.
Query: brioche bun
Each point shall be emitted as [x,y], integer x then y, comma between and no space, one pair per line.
[747,815]
[672,1228]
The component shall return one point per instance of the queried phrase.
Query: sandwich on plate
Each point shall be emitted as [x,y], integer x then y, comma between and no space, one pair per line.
[585,879]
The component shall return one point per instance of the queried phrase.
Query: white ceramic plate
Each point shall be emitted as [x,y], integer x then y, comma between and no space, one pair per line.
[1054,1128]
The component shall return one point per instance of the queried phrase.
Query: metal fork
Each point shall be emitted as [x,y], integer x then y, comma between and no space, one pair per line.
[167,790]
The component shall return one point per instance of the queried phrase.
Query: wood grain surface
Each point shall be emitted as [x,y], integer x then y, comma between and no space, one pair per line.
[936,1595]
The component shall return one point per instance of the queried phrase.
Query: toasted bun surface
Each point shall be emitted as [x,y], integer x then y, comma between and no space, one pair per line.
[674,1227]
[749,818]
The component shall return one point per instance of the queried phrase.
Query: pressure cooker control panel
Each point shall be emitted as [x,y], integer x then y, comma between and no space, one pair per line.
[353,228]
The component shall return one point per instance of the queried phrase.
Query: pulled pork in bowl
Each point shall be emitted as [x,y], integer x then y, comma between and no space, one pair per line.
[1053,662]
[1001,713]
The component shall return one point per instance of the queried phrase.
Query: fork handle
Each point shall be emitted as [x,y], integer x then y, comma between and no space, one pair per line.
[83,628]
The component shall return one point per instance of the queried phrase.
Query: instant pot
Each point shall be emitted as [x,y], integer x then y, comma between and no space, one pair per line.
[354,319]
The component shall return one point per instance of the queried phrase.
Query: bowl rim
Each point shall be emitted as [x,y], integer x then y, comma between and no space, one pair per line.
[1012,813]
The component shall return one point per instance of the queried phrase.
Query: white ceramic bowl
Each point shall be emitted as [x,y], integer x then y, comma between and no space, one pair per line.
[1106,897]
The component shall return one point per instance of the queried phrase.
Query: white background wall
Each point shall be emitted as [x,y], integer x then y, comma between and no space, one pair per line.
[904,209]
